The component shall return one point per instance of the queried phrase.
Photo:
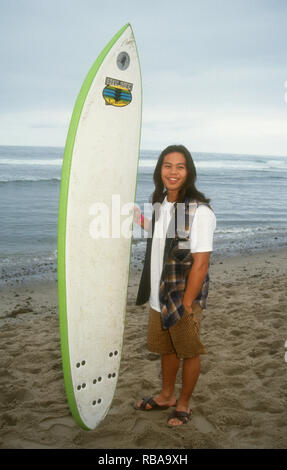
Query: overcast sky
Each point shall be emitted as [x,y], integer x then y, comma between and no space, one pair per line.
[214,71]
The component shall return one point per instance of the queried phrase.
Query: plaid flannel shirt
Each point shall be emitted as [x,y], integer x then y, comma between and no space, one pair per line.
[176,267]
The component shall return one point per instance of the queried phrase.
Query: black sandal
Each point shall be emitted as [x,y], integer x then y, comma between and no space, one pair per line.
[183,416]
[152,403]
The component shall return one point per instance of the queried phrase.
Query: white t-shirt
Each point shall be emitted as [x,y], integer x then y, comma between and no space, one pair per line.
[201,240]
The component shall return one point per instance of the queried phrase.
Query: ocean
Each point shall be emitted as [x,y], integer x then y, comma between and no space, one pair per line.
[248,194]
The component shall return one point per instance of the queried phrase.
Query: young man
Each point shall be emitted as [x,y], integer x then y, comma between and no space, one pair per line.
[175,278]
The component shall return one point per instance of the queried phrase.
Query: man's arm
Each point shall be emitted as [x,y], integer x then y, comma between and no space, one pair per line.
[195,278]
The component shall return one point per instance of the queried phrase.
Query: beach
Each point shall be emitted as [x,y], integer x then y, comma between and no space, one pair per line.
[240,397]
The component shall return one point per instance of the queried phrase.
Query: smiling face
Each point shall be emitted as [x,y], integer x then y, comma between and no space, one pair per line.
[173,173]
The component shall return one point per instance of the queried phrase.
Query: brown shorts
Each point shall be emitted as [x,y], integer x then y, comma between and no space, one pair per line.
[182,338]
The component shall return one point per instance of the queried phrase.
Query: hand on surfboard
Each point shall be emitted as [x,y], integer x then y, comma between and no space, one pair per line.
[137,215]
[140,219]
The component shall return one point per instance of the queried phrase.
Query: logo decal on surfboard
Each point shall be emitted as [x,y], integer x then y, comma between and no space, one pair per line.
[117,93]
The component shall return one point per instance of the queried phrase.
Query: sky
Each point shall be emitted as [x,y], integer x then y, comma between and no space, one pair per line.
[214,72]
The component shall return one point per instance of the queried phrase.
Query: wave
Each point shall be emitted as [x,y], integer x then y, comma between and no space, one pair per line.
[261,165]
[249,230]
[29,180]
[33,162]
[225,164]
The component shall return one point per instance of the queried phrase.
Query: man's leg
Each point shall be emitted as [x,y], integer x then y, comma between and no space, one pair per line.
[169,366]
[190,374]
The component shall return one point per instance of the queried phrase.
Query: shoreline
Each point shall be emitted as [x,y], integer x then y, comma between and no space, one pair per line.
[47,289]
[37,268]
[238,402]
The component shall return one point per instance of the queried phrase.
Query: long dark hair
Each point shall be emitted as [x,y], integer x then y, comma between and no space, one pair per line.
[188,189]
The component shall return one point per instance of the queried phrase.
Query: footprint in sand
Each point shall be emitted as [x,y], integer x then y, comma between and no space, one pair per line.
[153,357]
[202,424]
[63,421]
[9,418]
[255,353]
[263,335]
[18,394]
[237,332]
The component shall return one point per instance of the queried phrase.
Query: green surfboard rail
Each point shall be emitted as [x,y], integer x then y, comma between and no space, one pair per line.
[63,201]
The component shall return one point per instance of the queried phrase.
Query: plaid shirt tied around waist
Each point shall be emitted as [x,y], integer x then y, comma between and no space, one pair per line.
[176,267]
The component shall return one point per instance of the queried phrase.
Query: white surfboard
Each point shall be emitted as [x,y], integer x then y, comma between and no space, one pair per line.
[99,171]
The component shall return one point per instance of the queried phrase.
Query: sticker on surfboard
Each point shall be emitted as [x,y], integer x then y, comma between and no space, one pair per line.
[117,93]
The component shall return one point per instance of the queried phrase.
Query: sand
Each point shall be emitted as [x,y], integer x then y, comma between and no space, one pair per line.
[240,397]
